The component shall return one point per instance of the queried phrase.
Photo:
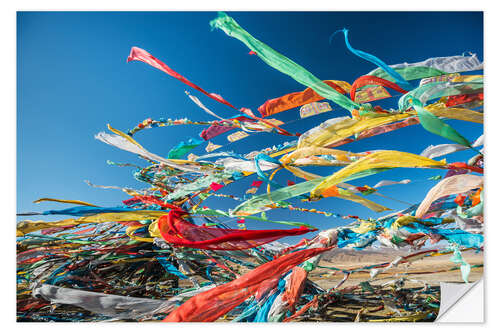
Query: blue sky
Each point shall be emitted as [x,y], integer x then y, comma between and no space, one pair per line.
[73,79]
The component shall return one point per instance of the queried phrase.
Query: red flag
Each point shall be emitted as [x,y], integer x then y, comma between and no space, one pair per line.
[178,232]
[373,80]
[257,183]
[216,186]
[211,304]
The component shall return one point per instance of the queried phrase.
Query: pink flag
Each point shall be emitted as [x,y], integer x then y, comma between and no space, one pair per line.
[216,186]
[257,183]
[142,55]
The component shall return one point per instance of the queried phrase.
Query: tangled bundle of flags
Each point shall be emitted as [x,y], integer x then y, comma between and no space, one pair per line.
[163,255]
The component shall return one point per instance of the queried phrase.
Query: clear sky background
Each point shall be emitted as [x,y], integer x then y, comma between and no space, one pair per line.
[73,79]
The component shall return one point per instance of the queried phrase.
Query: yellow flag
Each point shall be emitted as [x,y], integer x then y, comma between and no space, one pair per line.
[440,110]
[379,159]
[76,202]
[25,227]
[333,130]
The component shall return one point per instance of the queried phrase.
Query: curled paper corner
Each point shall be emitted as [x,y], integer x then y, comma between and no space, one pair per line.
[461,302]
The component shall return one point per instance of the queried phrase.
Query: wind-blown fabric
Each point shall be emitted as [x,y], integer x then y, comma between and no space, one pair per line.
[114,306]
[76,202]
[198,184]
[202,106]
[297,99]
[271,122]
[260,173]
[441,150]
[374,60]
[310,151]
[295,287]
[440,89]
[471,100]
[313,109]
[234,164]
[142,55]
[210,305]
[444,149]
[261,203]
[440,110]
[373,80]
[87,211]
[178,224]
[219,128]
[441,78]
[336,129]
[448,186]
[419,96]
[170,268]
[178,232]
[432,67]
[370,94]
[24,227]
[391,182]
[281,63]
[121,141]
[387,128]
[469,225]
[211,147]
[377,160]
[216,186]
[182,148]
[126,190]
[472,211]
[149,199]
[435,125]
[237,136]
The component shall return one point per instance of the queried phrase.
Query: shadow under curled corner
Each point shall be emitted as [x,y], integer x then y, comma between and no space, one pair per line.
[462,302]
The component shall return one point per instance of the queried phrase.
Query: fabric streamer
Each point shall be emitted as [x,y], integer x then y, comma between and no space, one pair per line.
[203,107]
[370,94]
[183,148]
[376,61]
[391,182]
[237,136]
[373,80]
[336,129]
[432,67]
[222,299]
[76,202]
[419,96]
[380,159]
[120,141]
[211,147]
[448,186]
[194,240]
[138,54]
[297,99]
[178,232]
[445,149]
[280,62]
[119,307]
[313,109]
